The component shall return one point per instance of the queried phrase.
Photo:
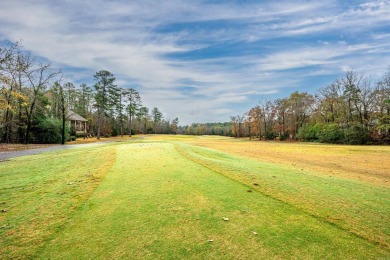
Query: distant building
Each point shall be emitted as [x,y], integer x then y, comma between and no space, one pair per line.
[77,122]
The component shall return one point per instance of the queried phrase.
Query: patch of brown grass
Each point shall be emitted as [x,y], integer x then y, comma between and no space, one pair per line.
[20,147]
[102,139]
[364,163]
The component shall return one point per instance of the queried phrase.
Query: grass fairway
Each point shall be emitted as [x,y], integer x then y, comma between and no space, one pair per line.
[165,197]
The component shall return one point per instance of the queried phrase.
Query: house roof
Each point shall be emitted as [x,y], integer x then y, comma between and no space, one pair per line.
[72,116]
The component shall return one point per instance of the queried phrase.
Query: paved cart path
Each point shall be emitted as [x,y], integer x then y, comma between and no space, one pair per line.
[8,155]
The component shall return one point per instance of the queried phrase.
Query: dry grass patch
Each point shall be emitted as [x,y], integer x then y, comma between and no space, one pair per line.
[354,206]
[21,147]
[364,163]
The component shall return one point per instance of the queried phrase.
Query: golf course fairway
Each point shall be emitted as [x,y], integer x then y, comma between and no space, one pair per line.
[170,198]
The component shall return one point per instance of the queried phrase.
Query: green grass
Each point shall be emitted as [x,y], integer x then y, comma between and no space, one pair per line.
[41,193]
[166,199]
[354,206]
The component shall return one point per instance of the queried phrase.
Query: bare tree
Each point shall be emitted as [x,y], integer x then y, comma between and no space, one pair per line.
[13,65]
[237,122]
[39,78]
[256,114]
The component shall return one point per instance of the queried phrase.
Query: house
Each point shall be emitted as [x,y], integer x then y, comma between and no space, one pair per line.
[77,122]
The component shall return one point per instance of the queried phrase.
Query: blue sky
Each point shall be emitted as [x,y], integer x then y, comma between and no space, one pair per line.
[203,61]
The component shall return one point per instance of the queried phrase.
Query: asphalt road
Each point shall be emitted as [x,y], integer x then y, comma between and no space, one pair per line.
[8,155]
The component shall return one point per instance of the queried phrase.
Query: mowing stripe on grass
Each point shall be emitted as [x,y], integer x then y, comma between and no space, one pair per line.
[39,195]
[352,206]
[155,203]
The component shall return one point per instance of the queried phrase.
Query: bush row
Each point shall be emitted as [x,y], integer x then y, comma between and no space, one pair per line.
[333,133]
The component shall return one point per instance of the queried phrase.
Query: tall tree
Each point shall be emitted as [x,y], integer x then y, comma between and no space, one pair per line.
[13,67]
[257,116]
[58,106]
[62,107]
[248,122]
[237,122]
[268,116]
[69,90]
[351,87]
[381,106]
[331,104]
[83,103]
[174,125]
[134,101]
[39,78]
[156,117]
[300,105]
[121,94]
[143,117]
[104,83]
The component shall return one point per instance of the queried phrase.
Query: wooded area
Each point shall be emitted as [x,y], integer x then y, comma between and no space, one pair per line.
[353,110]
[35,104]
[35,107]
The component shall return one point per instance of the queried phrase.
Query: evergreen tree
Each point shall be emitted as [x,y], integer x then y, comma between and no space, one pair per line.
[103,90]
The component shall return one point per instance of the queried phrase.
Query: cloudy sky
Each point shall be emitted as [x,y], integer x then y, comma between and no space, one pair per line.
[203,61]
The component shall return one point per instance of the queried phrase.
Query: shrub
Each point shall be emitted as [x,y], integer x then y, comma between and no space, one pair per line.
[80,135]
[270,135]
[115,132]
[72,130]
[149,130]
[106,130]
[48,131]
[331,133]
[283,137]
[324,133]
[309,132]
[356,134]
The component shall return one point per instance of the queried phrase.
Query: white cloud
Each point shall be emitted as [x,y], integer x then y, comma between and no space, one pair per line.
[135,40]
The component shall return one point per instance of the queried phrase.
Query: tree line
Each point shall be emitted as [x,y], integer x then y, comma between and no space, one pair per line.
[354,109]
[35,105]
[223,129]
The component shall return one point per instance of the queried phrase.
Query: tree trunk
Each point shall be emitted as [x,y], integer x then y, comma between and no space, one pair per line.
[99,124]
[8,126]
[130,125]
[29,119]
[20,125]
[259,128]
[28,129]
[63,128]
[130,122]
[63,122]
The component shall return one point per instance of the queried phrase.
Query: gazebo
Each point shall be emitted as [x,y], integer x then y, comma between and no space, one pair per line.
[78,122]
